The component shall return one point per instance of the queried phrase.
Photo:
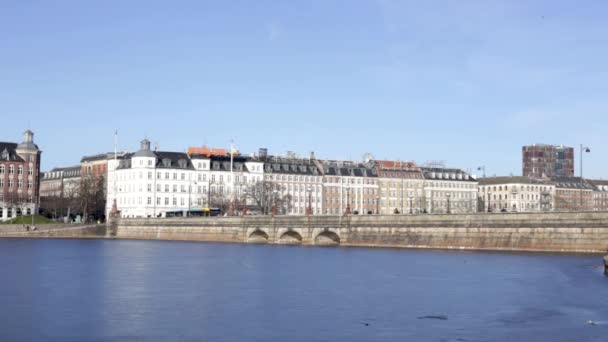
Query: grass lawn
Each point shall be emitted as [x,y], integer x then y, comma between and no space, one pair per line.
[38,219]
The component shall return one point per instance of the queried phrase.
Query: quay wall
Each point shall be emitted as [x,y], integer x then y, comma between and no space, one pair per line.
[556,232]
[52,231]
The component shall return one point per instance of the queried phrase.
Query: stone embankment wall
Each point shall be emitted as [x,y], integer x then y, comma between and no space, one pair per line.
[563,232]
[53,230]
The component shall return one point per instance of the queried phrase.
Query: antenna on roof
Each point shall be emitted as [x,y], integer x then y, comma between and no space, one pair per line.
[155,146]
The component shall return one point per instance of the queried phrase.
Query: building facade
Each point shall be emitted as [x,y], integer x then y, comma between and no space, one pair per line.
[160,183]
[19,177]
[542,160]
[401,187]
[573,194]
[515,194]
[299,181]
[349,187]
[448,190]
[60,182]
[600,194]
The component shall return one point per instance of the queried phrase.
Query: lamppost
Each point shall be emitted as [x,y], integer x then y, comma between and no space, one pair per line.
[347,211]
[489,198]
[482,168]
[587,150]
[274,202]
[448,195]
[190,196]
[411,199]
[309,209]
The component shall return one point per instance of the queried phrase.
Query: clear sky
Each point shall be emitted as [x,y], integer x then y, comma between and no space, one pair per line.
[467,82]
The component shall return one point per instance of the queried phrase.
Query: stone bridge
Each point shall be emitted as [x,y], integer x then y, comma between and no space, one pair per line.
[564,232]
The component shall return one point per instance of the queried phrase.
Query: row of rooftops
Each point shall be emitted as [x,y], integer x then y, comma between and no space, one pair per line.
[62,173]
[300,166]
[559,182]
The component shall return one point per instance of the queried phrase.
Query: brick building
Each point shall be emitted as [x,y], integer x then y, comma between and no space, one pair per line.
[19,177]
[542,160]
[573,194]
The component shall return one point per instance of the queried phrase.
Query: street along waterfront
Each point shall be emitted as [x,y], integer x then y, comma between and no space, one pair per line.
[96,289]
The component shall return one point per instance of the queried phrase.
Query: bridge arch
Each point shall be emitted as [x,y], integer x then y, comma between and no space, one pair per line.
[257,236]
[290,237]
[327,238]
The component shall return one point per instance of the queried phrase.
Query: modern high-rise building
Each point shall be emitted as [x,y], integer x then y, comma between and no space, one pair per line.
[540,160]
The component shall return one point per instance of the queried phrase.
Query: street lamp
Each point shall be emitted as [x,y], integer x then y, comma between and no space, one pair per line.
[489,198]
[411,198]
[347,211]
[309,209]
[274,202]
[480,168]
[586,150]
[448,197]
[190,196]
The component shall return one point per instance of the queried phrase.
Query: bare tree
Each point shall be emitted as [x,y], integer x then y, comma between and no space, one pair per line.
[268,195]
[219,200]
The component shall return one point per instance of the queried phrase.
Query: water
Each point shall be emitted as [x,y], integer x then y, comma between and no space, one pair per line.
[102,290]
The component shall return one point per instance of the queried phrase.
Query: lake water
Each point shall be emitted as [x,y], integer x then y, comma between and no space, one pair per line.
[124,290]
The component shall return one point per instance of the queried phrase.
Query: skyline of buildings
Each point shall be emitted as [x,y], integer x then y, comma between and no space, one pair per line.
[150,183]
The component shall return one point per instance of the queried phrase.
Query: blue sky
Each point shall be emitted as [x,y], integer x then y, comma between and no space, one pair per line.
[467,82]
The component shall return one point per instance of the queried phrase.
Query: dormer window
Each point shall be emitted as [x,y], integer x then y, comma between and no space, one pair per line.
[182,163]
[166,162]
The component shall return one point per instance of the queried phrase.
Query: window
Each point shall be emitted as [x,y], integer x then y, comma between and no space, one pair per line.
[175,175]
[174,201]
[20,170]
[30,184]
[158,175]
[149,175]
[174,187]
[11,169]
[183,188]
[166,200]
[1,169]
[181,202]
[166,187]
[166,175]
[149,188]
[30,170]
[183,176]
[157,200]
[158,187]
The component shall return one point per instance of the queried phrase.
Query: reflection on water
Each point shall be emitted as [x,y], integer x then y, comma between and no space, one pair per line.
[98,290]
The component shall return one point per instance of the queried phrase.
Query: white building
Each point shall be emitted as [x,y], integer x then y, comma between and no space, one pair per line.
[516,194]
[300,181]
[448,190]
[156,183]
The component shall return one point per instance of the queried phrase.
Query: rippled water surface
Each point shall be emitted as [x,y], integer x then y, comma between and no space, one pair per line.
[103,290]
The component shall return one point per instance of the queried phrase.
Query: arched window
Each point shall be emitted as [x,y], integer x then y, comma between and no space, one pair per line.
[1,169]
[11,169]
[20,170]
